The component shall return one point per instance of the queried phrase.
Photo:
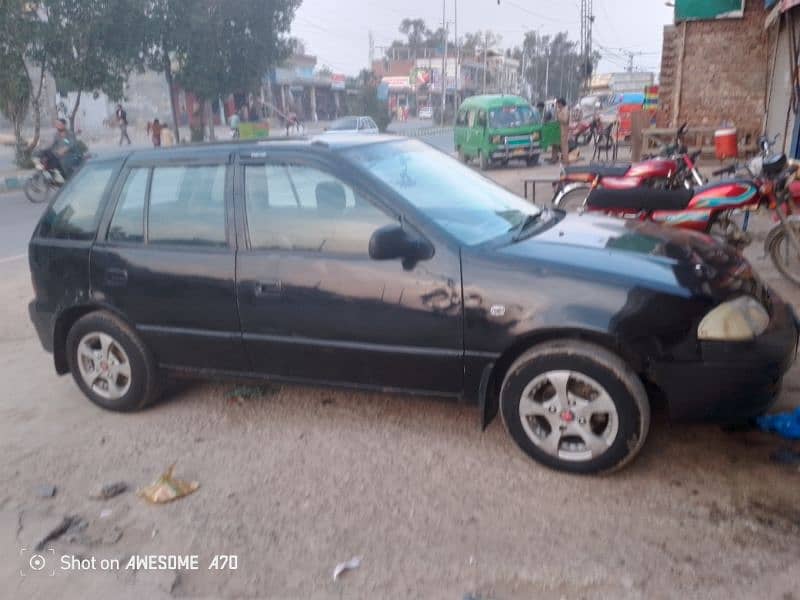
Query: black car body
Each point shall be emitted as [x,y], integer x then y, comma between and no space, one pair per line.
[307,261]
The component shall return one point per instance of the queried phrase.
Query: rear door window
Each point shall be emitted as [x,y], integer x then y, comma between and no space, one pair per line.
[127,224]
[187,206]
[76,212]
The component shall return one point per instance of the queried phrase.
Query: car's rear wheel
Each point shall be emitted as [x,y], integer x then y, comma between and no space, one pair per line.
[110,363]
[575,407]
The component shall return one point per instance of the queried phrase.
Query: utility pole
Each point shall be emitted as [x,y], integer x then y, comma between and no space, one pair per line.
[587,20]
[444,60]
[371,50]
[457,98]
[547,75]
[485,53]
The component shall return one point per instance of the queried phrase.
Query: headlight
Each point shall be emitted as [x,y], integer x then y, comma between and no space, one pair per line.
[496,139]
[534,136]
[735,321]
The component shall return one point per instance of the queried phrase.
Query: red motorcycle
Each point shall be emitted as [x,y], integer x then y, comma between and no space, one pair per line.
[712,209]
[674,169]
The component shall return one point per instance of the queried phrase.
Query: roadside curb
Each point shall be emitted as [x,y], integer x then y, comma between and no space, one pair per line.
[423,132]
[12,183]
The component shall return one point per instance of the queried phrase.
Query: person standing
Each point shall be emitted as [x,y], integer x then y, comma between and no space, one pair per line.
[563,121]
[167,139]
[122,121]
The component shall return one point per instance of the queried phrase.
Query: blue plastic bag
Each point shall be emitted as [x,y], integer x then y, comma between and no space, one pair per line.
[786,425]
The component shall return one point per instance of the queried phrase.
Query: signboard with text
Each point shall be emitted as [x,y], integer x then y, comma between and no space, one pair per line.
[699,10]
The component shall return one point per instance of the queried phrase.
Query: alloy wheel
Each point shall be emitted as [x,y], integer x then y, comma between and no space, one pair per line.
[104,365]
[569,415]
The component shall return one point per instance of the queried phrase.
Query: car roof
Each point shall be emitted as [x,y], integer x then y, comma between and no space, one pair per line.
[200,151]
[494,101]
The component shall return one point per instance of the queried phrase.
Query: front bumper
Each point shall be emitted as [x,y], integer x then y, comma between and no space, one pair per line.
[733,381]
[43,323]
[517,151]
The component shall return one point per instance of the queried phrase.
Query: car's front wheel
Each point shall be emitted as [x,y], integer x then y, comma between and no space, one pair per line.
[575,406]
[110,364]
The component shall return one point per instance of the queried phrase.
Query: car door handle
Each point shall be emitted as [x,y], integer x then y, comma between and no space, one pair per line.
[116,277]
[273,287]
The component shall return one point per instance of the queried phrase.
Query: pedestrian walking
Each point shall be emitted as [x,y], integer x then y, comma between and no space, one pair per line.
[154,131]
[122,121]
[563,120]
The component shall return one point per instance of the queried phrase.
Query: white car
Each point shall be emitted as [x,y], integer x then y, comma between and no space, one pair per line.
[353,125]
[425,112]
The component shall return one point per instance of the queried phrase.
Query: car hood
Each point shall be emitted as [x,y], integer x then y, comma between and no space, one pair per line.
[639,253]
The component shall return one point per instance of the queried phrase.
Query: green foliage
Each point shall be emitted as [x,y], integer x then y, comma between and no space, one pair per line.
[564,78]
[366,103]
[15,99]
[228,46]
[93,44]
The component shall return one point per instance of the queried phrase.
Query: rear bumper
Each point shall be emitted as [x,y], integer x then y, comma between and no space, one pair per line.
[734,381]
[43,323]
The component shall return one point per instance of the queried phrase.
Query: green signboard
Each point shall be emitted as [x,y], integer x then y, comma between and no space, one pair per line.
[692,10]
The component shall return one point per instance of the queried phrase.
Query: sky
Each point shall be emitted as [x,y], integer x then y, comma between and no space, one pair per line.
[337,31]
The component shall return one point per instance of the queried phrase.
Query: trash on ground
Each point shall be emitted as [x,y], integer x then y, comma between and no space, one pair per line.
[786,456]
[786,425]
[105,513]
[108,490]
[240,394]
[351,564]
[166,488]
[45,490]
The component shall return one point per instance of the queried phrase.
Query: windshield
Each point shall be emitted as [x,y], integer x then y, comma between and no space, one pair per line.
[511,116]
[468,206]
[344,125]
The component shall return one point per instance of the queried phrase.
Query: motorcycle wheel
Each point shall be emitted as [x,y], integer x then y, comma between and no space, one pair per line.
[783,254]
[36,189]
[574,199]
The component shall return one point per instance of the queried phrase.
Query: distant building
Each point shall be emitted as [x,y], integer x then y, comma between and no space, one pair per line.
[296,86]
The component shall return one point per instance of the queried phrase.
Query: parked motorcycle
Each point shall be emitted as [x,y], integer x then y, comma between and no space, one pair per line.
[673,168]
[710,209]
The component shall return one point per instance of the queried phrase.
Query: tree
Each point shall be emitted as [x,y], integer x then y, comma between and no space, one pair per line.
[552,66]
[15,96]
[92,45]
[229,46]
[416,31]
[21,45]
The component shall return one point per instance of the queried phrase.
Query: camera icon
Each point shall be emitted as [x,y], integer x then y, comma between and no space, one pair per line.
[37,561]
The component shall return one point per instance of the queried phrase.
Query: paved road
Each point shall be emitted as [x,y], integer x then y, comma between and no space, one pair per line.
[16,225]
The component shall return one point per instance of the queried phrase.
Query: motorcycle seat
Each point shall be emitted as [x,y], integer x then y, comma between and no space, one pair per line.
[639,199]
[601,170]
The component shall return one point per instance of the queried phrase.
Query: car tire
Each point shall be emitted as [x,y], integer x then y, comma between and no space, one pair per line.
[533,160]
[110,364]
[597,424]
[483,161]
[461,156]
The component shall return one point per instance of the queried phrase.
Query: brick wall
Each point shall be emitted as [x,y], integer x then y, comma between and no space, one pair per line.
[724,71]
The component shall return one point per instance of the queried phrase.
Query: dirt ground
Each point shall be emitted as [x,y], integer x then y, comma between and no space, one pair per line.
[300,479]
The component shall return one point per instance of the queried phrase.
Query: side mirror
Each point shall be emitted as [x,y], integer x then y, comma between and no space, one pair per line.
[392,242]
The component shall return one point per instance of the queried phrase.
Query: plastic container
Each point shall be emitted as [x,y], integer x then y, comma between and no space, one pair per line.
[726,143]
